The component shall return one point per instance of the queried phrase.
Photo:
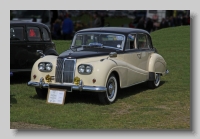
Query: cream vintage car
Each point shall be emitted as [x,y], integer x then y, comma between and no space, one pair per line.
[101,60]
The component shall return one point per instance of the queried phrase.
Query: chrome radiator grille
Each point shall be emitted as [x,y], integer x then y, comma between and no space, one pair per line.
[65,70]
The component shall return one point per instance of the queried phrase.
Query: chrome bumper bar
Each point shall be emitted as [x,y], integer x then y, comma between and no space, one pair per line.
[79,87]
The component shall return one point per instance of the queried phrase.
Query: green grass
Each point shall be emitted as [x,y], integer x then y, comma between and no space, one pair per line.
[167,107]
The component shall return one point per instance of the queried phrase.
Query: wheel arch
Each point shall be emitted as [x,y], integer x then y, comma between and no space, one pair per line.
[116,75]
[157,64]
[50,52]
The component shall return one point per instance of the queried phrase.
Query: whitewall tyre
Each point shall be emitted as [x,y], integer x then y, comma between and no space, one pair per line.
[155,83]
[110,95]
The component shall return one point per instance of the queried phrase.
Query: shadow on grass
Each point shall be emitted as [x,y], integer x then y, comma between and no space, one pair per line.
[21,77]
[76,97]
[92,98]
[13,100]
[133,90]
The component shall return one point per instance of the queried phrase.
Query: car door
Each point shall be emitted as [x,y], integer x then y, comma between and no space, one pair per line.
[145,47]
[18,47]
[133,58]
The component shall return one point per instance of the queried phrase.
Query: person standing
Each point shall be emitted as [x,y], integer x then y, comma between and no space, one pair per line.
[97,20]
[67,28]
[56,33]
[149,25]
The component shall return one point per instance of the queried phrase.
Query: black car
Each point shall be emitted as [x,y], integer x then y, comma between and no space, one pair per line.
[28,41]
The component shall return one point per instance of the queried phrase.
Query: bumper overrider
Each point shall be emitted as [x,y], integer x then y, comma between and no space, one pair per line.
[79,87]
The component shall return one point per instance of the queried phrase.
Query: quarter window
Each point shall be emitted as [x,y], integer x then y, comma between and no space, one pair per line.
[142,41]
[149,43]
[17,33]
[33,34]
[45,35]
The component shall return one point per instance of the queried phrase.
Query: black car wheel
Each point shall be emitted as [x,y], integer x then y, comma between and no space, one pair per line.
[155,83]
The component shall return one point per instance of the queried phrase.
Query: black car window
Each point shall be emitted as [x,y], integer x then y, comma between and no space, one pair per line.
[142,41]
[17,33]
[45,34]
[33,34]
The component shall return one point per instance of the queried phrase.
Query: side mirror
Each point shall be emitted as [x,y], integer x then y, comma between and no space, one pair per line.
[40,52]
[113,54]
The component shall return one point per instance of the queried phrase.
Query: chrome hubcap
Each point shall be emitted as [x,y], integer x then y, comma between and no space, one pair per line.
[111,88]
[157,80]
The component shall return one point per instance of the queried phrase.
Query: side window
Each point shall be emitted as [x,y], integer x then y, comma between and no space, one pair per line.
[17,33]
[45,35]
[149,43]
[142,41]
[33,34]
[130,42]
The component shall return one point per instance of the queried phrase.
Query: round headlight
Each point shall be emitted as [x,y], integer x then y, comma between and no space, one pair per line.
[48,67]
[41,66]
[81,69]
[88,69]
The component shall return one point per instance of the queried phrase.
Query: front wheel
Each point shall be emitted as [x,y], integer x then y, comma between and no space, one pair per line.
[156,82]
[42,92]
[109,96]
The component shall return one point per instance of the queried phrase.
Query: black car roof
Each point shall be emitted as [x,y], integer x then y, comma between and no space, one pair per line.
[122,30]
[18,22]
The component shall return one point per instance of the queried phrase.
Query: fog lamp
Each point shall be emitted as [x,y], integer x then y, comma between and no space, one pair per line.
[48,78]
[76,80]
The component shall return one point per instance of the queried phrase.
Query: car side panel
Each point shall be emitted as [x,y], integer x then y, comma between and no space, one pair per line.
[128,74]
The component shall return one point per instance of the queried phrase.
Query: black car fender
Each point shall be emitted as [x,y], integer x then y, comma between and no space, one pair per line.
[50,52]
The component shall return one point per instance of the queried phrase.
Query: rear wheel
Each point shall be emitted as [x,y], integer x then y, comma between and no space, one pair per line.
[156,82]
[42,92]
[109,96]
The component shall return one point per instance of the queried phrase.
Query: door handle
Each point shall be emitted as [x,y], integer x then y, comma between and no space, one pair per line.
[139,55]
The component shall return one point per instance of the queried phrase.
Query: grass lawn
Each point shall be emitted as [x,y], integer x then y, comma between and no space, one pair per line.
[167,107]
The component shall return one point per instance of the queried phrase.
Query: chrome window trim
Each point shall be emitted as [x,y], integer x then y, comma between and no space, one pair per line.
[135,35]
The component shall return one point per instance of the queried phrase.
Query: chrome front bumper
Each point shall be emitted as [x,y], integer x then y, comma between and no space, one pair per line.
[79,87]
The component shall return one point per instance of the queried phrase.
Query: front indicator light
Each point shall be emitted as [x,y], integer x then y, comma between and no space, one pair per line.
[48,78]
[34,76]
[76,80]
[94,80]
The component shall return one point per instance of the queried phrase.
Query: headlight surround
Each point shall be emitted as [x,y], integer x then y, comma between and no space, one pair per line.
[85,69]
[45,66]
